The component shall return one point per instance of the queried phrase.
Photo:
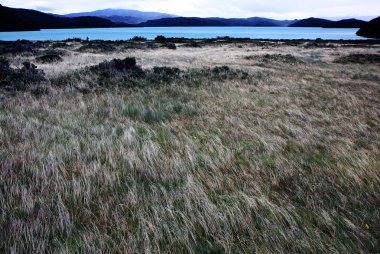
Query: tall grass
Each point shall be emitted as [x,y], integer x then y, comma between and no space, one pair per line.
[284,160]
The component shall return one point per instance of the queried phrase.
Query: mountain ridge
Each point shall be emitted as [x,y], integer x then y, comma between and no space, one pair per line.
[117,15]
[254,22]
[16,19]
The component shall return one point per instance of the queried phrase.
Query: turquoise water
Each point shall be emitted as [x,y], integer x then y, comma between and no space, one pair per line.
[187,32]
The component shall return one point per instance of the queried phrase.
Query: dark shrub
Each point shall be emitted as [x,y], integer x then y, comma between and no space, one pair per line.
[319,44]
[17,48]
[117,72]
[220,69]
[58,52]
[220,72]
[125,73]
[138,38]
[118,64]
[59,45]
[226,73]
[5,70]
[50,58]
[168,71]
[169,45]
[193,44]
[73,40]
[275,58]
[97,47]
[20,79]
[28,66]
[40,90]
[160,38]
[224,38]
[359,59]
[164,74]
[151,45]
[3,61]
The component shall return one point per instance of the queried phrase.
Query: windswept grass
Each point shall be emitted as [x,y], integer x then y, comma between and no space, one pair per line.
[210,159]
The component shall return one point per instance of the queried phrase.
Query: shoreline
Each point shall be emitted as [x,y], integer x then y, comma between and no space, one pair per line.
[222,39]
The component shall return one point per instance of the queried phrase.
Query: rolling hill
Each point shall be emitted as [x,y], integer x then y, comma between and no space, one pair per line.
[371,29]
[347,23]
[122,15]
[253,22]
[312,22]
[325,23]
[182,21]
[14,19]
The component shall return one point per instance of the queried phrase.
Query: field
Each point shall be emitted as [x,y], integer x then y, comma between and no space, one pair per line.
[185,146]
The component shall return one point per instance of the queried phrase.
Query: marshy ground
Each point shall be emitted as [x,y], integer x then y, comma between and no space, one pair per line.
[190,146]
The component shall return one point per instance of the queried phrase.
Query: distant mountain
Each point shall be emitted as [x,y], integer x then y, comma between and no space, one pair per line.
[122,15]
[370,29]
[182,21]
[312,22]
[325,23]
[255,21]
[124,19]
[13,19]
[347,23]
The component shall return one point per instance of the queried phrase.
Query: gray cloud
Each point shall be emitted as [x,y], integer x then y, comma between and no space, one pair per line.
[211,8]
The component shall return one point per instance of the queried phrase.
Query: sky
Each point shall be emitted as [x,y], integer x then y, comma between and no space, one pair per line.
[278,9]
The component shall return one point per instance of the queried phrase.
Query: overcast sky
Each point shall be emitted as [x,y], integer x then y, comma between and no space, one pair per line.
[280,9]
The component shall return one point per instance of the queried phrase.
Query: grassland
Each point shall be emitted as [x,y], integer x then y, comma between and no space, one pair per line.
[211,146]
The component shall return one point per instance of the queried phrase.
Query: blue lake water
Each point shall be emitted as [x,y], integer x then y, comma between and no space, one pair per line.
[186,32]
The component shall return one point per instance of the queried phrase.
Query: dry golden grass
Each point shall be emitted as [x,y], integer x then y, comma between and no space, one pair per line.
[286,161]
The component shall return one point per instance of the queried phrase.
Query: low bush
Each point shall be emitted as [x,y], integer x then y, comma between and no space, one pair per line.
[126,73]
[160,38]
[226,73]
[96,47]
[17,48]
[169,45]
[275,58]
[359,59]
[117,64]
[59,45]
[73,40]
[192,44]
[28,77]
[49,58]
[138,38]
